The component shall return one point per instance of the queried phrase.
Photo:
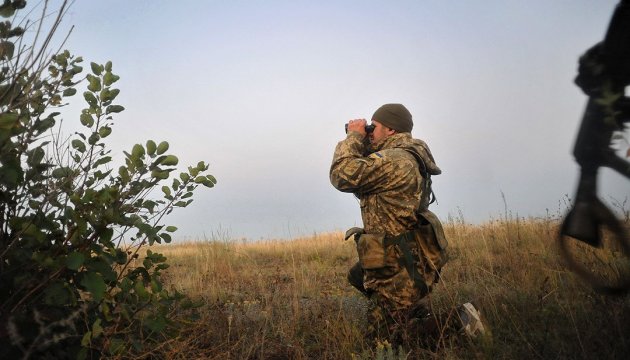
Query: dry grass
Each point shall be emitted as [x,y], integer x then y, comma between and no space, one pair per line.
[290,299]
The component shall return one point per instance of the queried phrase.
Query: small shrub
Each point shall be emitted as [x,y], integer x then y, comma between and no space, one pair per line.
[73,281]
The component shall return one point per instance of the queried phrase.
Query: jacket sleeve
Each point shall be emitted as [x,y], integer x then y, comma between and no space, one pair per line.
[352,172]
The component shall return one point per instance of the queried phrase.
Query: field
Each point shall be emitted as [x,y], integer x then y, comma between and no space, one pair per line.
[289,299]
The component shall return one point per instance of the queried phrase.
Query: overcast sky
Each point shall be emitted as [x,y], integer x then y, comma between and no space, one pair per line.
[261,90]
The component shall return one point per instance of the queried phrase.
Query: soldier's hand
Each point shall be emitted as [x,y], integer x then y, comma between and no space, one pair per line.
[357,125]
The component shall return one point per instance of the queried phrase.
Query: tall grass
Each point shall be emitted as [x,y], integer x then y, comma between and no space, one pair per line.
[289,299]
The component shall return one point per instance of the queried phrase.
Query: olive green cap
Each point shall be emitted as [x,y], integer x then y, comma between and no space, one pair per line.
[394,116]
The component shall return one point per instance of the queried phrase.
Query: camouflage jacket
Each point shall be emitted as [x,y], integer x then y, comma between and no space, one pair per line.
[386,179]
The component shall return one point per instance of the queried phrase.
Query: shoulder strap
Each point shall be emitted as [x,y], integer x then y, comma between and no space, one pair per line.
[426,176]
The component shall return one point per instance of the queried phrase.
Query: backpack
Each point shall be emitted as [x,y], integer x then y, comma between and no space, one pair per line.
[429,235]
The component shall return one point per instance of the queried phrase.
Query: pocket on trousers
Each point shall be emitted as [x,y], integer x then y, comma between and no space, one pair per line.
[371,251]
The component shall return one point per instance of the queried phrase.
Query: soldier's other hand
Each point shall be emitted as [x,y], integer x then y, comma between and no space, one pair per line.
[357,125]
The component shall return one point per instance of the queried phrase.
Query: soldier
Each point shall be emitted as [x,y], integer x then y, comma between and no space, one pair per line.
[401,247]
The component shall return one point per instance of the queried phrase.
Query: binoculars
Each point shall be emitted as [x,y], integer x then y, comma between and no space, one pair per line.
[368,128]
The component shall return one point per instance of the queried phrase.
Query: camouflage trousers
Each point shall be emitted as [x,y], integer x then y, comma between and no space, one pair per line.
[399,309]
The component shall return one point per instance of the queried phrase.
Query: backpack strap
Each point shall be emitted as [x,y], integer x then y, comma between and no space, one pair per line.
[425,174]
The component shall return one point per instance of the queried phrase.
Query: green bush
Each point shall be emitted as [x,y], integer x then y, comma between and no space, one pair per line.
[73,279]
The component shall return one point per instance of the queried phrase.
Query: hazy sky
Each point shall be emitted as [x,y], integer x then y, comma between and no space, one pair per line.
[261,90]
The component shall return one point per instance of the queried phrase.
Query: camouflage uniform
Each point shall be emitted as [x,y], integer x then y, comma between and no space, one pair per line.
[387,180]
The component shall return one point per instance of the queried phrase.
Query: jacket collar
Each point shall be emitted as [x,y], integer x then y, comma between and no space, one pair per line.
[394,141]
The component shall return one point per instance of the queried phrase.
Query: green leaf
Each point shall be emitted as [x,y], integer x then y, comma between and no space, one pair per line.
[7,10]
[53,71]
[94,138]
[85,341]
[171,228]
[90,98]
[87,119]
[97,329]
[121,256]
[6,50]
[124,174]
[76,70]
[57,294]
[75,260]
[116,346]
[104,131]
[108,66]
[137,151]
[159,174]
[187,195]
[125,284]
[110,78]
[166,190]
[166,237]
[114,109]
[156,286]
[103,160]
[94,83]
[78,145]
[156,323]
[157,161]
[69,92]
[93,282]
[211,179]
[140,290]
[149,205]
[61,59]
[62,172]
[101,266]
[109,95]
[96,68]
[151,147]
[201,166]
[162,148]
[36,156]
[8,120]
[43,125]
[170,160]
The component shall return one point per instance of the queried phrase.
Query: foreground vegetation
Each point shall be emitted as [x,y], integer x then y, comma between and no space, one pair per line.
[290,299]
[72,223]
